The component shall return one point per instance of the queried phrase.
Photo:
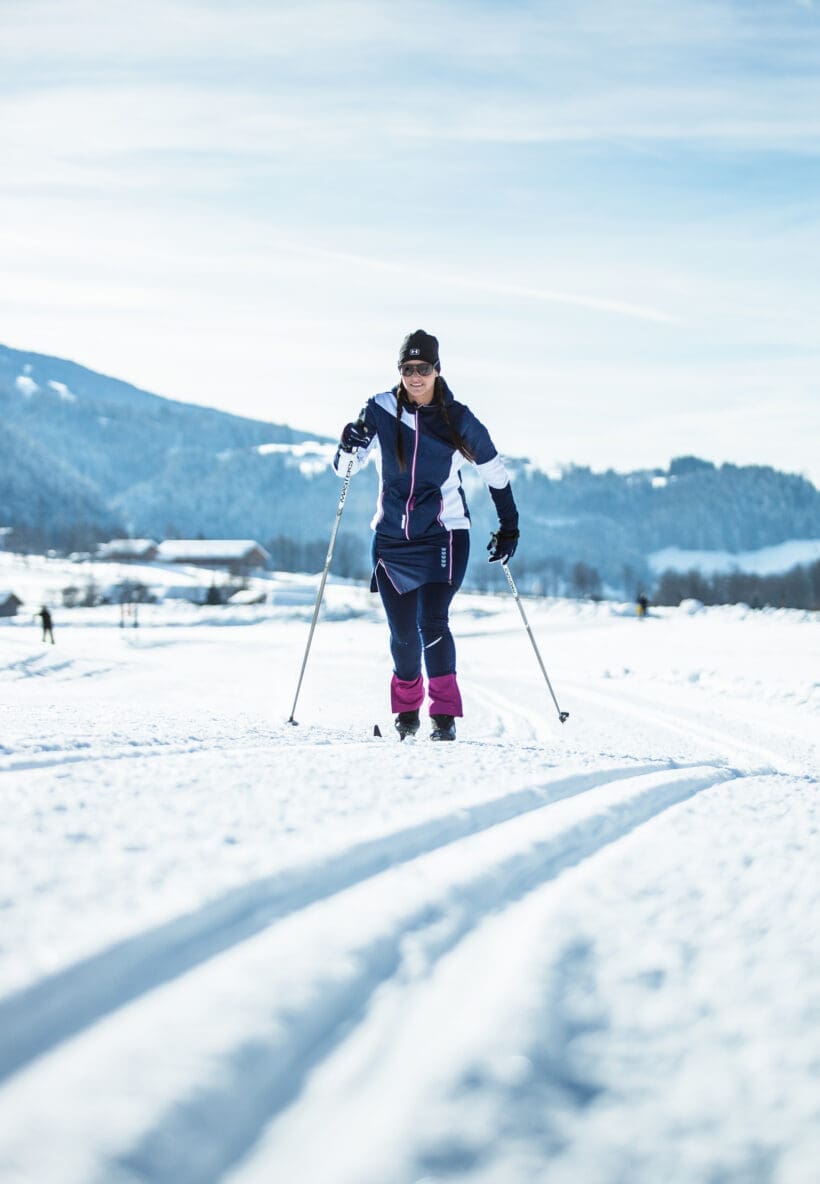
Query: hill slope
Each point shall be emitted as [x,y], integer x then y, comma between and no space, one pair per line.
[102,438]
[85,456]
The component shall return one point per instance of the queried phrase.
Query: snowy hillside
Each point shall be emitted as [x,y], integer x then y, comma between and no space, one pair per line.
[236,950]
[85,457]
[765,561]
[82,455]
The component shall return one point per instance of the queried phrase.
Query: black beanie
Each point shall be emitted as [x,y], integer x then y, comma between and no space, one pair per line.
[419,347]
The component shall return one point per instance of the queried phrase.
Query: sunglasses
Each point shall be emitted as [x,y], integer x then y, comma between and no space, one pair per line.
[425,369]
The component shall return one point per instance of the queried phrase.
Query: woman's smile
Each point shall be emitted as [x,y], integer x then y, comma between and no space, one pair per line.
[420,390]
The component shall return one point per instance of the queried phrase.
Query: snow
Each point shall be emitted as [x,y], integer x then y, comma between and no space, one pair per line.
[307,448]
[763,562]
[311,456]
[25,385]
[62,390]
[41,581]
[205,550]
[238,950]
[131,548]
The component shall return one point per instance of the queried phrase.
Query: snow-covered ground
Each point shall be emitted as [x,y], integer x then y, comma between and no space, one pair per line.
[39,580]
[233,949]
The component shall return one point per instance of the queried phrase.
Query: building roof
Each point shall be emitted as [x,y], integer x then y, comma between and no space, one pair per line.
[248,596]
[135,547]
[209,550]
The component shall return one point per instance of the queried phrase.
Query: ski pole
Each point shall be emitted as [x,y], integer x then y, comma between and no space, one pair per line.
[322,582]
[563,716]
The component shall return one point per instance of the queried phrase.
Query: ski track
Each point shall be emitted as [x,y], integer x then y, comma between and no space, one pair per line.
[84,753]
[719,741]
[502,710]
[632,708]
[435,883]
[47,666]
[233,1017]
[49,757]
[56,1008]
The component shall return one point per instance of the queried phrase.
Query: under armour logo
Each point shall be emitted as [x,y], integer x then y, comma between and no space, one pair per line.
[414,353]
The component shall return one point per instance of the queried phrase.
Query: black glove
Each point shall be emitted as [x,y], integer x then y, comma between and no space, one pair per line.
[502,545]
[354,436]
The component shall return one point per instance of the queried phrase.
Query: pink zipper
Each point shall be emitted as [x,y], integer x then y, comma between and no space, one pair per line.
[409,504]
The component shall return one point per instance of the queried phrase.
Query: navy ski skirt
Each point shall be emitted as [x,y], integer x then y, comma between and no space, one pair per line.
[410,563]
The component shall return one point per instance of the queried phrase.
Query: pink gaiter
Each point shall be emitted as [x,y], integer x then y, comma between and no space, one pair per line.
[406,696]
[445,697]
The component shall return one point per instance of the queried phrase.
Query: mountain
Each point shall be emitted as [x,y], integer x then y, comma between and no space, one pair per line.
[84,457]
[79,447]
[615,521]
[44,496]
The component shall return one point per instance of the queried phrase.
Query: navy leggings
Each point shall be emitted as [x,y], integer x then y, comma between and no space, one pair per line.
[419,620]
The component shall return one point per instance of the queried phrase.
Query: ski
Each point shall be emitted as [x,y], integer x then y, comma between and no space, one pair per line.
[377,734]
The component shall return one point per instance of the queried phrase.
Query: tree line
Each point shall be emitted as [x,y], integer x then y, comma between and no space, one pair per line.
[797,588]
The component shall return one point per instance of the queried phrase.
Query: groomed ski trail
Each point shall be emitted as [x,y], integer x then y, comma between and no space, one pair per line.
[322,952]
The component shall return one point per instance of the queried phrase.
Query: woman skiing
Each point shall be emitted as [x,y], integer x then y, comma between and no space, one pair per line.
[420,437]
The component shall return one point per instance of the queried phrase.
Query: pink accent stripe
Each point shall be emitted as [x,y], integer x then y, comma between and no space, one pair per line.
[450,570]
[381,564]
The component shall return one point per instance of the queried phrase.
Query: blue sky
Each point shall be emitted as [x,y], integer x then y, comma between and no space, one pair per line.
[609,214]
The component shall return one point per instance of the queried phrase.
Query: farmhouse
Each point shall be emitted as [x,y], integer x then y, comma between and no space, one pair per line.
[9,603]
[128,551]
[235,555]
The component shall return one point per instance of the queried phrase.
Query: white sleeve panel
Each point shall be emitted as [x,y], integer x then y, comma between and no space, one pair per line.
[493,473]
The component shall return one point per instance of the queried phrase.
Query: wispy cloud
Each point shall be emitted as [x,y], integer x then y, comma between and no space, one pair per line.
[476,282]
[631,183]
[252,78]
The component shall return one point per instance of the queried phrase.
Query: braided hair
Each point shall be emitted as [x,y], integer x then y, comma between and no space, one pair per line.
[440,391]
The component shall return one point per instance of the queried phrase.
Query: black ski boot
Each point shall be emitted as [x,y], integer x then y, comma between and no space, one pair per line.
[444,727]
[407,723]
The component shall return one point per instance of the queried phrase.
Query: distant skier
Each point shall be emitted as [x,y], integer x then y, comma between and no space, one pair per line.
[421,436]
[48,624]
[642,606]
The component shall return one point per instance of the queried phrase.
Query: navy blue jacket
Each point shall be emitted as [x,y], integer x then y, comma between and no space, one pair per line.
[426,498]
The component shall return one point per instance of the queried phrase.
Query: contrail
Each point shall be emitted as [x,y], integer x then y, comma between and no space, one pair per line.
[475,283]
